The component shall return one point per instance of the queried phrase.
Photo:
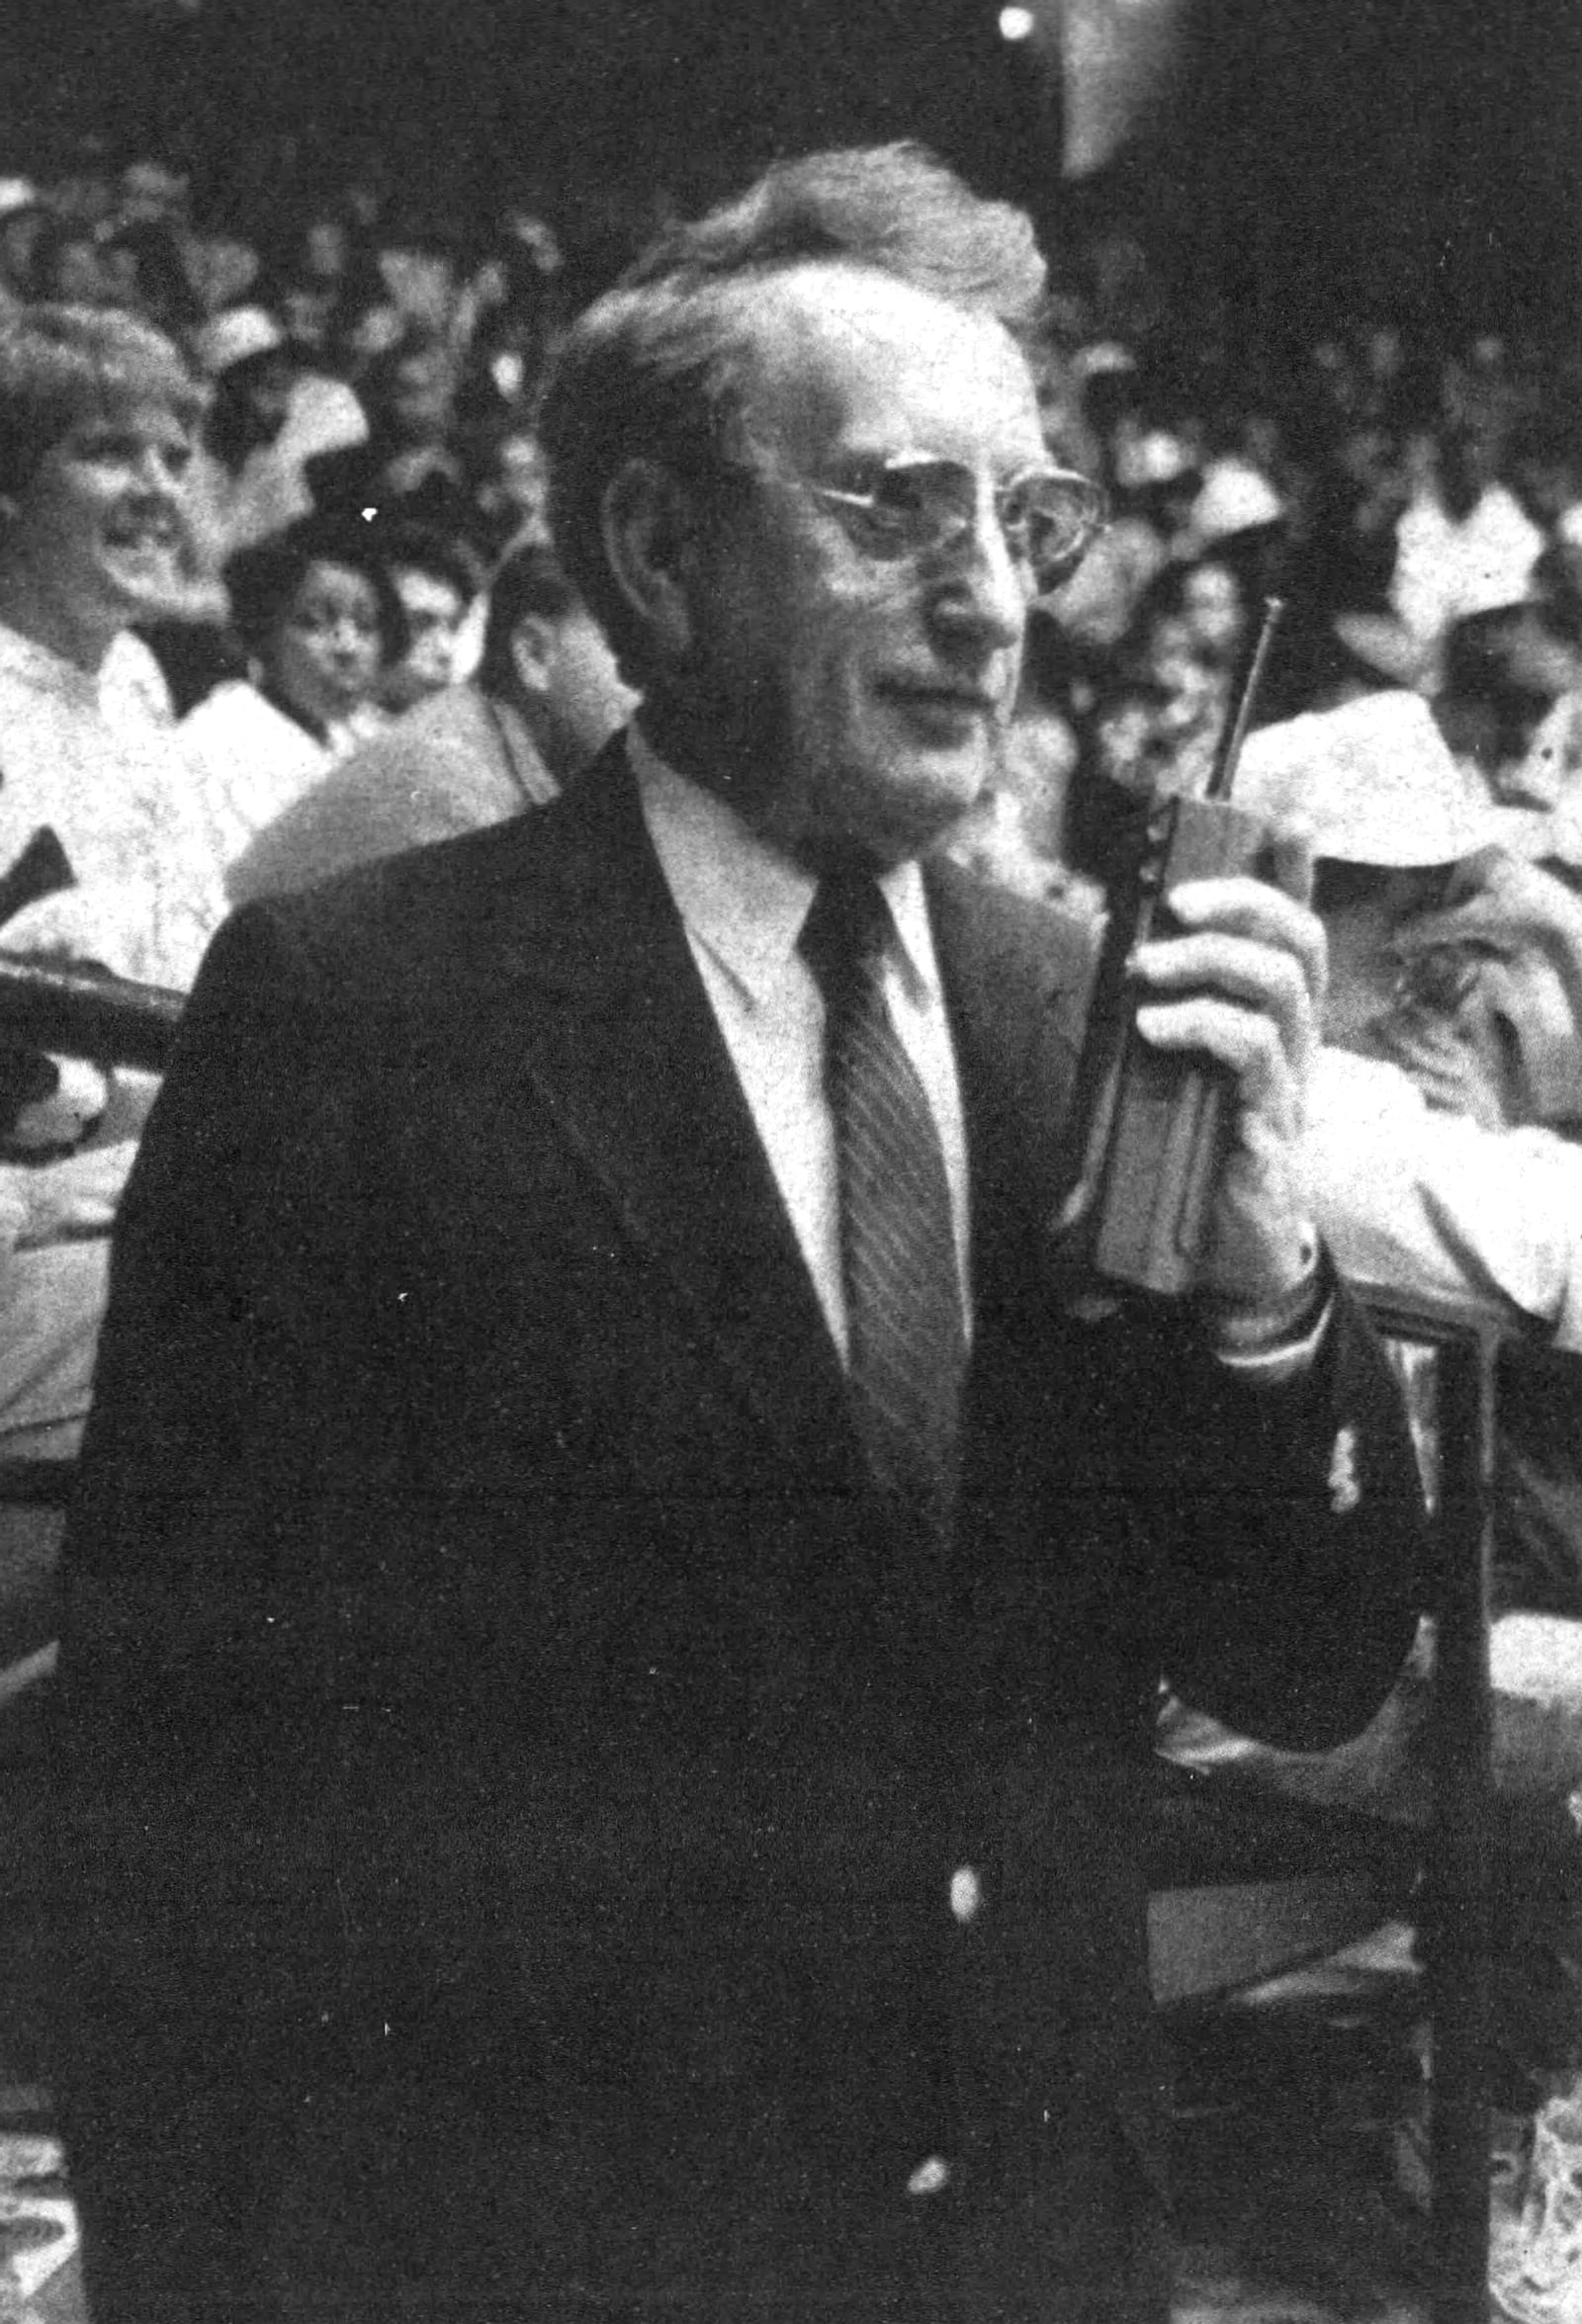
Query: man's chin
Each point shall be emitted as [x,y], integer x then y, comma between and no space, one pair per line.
[907,824]
[146,591]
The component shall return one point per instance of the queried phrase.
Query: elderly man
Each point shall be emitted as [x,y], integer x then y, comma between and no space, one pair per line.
[546,695]
[629,1612]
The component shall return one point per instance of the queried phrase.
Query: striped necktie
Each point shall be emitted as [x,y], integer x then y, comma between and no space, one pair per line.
[906,1342]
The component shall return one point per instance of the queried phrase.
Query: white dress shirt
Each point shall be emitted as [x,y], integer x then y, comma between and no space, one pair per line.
[743,904]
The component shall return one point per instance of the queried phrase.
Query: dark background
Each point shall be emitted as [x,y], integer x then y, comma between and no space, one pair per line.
[1320,156]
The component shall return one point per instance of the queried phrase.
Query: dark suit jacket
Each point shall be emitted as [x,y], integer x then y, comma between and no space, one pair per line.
[516,1771]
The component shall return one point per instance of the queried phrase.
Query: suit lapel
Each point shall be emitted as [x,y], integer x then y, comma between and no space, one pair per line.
[1016,977]
[606,1017]
[609,1020]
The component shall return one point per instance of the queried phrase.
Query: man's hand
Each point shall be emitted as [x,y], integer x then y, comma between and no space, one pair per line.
[1501,903]
[1522,1016]
[1245,981]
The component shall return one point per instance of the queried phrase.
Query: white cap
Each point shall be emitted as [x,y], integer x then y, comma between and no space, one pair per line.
[1373,781]
[1157,457]
[234,335]
[1389,649]
[17,194]
[1235,498]
[1100,358]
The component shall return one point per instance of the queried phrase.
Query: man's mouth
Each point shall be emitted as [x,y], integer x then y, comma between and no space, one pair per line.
[144,542]
[947,697]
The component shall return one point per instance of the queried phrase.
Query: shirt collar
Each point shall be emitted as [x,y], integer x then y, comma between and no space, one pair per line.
[743,899]
[23,657]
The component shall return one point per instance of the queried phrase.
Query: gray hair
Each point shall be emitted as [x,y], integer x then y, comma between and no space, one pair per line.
[659,366]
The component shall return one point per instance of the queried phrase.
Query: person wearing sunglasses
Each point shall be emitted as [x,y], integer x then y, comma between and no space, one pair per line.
[601,1534]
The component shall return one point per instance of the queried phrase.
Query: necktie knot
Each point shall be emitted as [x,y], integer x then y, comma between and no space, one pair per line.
[844,935]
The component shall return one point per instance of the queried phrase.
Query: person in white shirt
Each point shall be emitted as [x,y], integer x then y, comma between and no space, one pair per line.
[98,423]
[321,621]
[1442,1162]
[1462,542]
[546,698]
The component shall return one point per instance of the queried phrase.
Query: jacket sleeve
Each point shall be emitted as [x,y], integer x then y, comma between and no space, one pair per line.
[1286,1532]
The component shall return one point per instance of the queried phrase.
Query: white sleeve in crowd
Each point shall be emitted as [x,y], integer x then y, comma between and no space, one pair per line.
[1430,1202]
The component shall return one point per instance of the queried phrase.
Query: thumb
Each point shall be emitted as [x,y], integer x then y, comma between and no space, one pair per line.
[1290,860]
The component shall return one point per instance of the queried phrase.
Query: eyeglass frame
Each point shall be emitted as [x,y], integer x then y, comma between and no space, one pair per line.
[852,508]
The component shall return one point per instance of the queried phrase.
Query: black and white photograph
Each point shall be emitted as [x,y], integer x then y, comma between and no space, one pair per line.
[790,1162]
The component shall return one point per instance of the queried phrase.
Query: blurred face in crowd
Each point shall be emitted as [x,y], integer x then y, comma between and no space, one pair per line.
[326,249]
[1211,602]
[1364,910]
[76,273]
[522,483]
[325,652]
[101,535]
[255,396]
[305,311]
[569,676]
[853,704]
[421,392]
[435,610]
[1465,468]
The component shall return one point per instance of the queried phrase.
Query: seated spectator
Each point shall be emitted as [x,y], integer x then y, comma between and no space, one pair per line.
[1462,543]
[511,492]
[98,422]
[1430,1160]
[546,697]
[1433,1176]
[270,417]
[1162,662]
[1510,702]
[437,579]
[319,618]
[409,465]
[1151,482]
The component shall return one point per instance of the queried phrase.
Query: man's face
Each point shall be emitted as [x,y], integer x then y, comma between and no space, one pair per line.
[1362,918]
[435,609]
[569,675]
[850,707]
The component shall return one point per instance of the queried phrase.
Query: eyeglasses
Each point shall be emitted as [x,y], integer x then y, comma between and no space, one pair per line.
[913,507]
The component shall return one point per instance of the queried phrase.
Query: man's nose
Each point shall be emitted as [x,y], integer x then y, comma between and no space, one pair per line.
[982,593]
[155,473]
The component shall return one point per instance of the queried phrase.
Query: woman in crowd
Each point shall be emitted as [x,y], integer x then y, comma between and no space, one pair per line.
[319,618]
[98,423]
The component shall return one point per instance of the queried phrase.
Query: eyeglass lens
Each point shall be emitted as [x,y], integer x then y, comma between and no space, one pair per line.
[1046,519]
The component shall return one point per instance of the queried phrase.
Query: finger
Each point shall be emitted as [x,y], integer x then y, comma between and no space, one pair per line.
[1260,975]
[1477,926]
[1268,1084]
[1292,855]
[1263,913]
[1476,872]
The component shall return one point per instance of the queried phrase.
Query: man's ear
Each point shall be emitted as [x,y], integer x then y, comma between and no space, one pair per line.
[649,526]
[533,651]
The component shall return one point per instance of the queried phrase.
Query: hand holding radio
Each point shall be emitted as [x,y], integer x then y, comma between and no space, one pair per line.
[1201,1038]
[1237,977]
